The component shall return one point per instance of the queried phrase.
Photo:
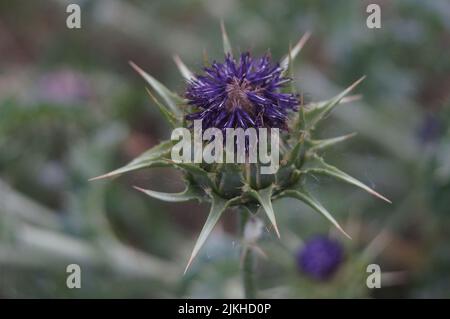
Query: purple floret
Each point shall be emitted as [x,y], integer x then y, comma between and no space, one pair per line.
[320,257]
[240,94]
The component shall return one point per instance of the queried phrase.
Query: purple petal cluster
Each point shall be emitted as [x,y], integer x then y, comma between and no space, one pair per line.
[240,94]
[320,257]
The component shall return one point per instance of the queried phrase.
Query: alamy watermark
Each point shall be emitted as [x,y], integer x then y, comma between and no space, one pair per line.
[374,19]
[241,146]
[73,20]
[74,278]
[374,279]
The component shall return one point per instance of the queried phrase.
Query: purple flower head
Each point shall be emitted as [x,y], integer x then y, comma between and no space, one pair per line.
[241,94]
[320,257]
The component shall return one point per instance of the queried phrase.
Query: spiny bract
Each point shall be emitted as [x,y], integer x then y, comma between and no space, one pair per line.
[249,96]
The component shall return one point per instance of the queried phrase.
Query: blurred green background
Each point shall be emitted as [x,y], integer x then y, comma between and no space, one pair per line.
[71,108]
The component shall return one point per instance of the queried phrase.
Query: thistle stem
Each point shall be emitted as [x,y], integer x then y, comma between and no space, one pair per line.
[248,276]
[248,263]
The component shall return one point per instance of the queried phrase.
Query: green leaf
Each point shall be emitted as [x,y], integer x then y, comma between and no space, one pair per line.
[201,176]
[306,198]
[320,110]
[320,167]
[316,145]
[170,98]
[188,194]
[292,54]
[226,42]
[205,58]
[184,70]
[217,208]
[154,157]
[315,107]
[169,116]
[294,156]
[264,197]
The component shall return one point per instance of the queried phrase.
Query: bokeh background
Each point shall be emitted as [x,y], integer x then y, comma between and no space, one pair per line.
[71,108]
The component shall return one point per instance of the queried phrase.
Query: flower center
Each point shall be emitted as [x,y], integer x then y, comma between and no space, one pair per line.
[237,96]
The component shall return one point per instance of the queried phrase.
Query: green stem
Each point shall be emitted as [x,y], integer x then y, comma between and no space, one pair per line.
[248,265]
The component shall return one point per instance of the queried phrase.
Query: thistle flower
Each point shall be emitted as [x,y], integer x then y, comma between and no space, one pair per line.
[320,257]
[244,93]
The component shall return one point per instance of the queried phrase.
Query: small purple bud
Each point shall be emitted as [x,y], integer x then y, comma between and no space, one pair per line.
[320,257]
[430,129]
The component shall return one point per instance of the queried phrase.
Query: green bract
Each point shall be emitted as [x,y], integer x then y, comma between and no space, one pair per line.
[242,185]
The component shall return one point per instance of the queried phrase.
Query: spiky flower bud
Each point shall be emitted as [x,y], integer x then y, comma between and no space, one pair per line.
[244,93]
